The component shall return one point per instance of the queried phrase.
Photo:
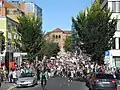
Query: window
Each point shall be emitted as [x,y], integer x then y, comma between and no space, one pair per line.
[56,36]
[117,61]
[9,25]
[59,36]
[119,43]
[29,7]
[118,25]
[113,45]
[53,36]
[9,35]
[104,76]
[116,6]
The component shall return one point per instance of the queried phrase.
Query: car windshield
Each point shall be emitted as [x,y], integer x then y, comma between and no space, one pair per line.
[104,76]
[27,75]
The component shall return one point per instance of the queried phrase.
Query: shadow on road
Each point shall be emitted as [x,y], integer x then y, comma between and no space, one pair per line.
[80,79]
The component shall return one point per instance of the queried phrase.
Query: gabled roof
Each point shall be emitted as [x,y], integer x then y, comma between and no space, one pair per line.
[57,30]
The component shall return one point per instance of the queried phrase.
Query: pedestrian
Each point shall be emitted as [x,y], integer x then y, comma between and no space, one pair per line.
[69,76]
[10,76]
[0,79]
[14,76]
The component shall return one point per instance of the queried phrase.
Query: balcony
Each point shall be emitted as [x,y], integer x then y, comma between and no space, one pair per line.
[14,12]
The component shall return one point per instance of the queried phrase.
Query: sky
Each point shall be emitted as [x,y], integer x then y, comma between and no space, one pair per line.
[58,13]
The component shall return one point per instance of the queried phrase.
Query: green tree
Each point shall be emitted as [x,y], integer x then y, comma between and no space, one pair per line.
[2,42]
[68,44]
[29,28]
[96,30]
[50,49]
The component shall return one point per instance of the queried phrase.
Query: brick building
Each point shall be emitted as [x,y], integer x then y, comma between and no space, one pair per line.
[58,36]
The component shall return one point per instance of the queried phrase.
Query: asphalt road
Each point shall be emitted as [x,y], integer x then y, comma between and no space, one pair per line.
[59,83]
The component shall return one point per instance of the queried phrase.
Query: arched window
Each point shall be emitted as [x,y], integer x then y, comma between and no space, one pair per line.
[56,36]
[59,36]
[53,36]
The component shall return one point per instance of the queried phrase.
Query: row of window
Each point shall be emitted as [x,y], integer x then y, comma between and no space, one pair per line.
[57,36]
[116,6]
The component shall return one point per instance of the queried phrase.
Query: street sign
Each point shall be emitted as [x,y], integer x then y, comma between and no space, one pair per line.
[107,53]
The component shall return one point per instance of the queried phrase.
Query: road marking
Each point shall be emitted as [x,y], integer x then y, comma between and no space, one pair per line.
[68,84]
[60,85]
[64,82]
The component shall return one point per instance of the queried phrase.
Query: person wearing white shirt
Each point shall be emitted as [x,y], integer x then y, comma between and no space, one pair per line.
[14,76]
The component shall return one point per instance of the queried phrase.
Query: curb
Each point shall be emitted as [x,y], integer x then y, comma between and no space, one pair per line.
[11,88]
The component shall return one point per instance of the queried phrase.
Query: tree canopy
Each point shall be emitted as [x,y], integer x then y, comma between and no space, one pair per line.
[30,30]
[96,30]
[50,49]
[68,44]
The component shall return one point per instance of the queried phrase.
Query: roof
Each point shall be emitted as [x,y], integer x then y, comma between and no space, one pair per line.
[57,30]
[8,5]
[67,32]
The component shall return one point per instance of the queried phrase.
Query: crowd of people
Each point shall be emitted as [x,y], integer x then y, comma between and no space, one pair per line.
[66,66]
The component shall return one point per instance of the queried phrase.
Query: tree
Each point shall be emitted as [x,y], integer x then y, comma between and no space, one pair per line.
[50,49]
[2,42]
[29,28]
[68,44]
[96,30]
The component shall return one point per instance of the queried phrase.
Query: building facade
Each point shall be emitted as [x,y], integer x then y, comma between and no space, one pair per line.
[58,36]
[9,12]
[8,26]
[113,56]
[31,8]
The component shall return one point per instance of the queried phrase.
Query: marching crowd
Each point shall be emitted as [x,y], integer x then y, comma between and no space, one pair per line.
[61,66]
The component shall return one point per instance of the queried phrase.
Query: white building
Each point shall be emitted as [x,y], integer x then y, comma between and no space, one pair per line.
[113,59]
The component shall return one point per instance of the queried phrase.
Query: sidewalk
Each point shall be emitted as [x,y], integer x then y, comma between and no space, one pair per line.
[7,86]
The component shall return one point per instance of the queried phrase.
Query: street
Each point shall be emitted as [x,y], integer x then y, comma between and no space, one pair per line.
[59,83]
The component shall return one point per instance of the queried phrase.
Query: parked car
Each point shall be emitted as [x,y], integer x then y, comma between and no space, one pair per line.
[103,82]
[118,79]
[27,79]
